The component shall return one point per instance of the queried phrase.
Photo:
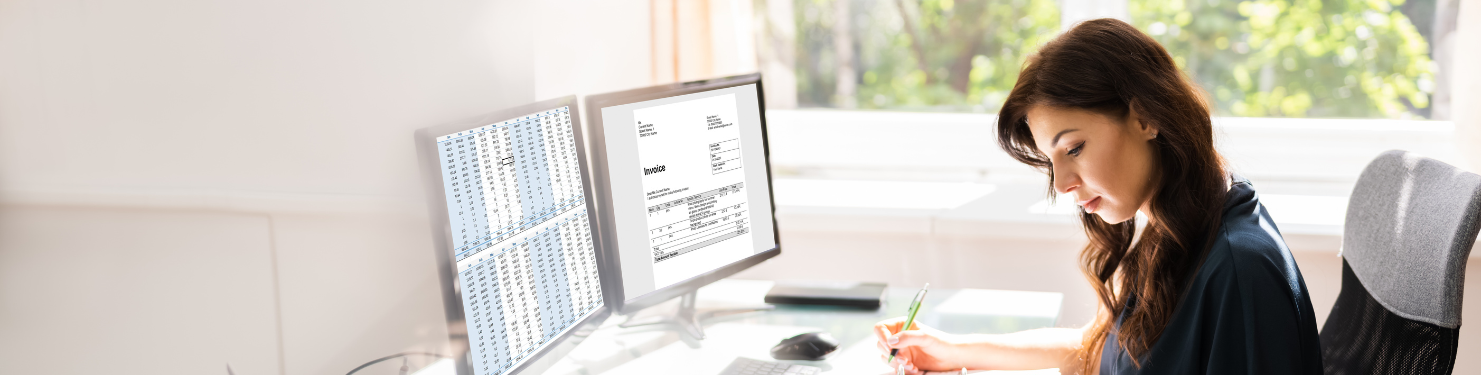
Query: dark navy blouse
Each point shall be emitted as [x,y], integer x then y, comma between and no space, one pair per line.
[1245,312]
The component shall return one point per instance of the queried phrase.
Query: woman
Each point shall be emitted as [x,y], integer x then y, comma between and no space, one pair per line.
[1208,287]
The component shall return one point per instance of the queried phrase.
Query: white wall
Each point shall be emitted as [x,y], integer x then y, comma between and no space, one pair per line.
[264,96]
[186,185]
[592,47]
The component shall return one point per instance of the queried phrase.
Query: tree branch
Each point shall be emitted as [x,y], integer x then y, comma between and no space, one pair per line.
[915,41]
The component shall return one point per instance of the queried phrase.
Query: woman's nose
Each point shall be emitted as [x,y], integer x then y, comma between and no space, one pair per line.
[1065,183]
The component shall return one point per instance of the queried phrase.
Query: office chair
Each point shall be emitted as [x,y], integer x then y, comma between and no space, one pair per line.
[1411,222]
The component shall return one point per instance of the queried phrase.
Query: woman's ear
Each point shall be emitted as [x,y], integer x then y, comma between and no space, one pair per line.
[1146,129]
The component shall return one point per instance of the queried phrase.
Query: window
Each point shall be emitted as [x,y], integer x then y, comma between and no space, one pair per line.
[1265,58]
[1279,58]
[917,55]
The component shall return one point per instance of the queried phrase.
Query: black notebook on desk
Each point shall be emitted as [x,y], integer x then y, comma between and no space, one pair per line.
[846,294]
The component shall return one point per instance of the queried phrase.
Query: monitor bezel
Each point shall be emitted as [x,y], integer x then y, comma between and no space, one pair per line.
[452,288]
[612,266]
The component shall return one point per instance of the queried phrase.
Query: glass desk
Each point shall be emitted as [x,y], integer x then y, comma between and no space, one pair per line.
[661,350]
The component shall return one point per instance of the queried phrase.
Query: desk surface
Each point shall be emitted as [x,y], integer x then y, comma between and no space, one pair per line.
[658,350]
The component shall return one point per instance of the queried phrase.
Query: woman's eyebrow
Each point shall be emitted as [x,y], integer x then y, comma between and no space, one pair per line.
[1054,142]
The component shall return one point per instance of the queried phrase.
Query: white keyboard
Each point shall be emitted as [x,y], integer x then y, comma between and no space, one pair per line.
[747,366]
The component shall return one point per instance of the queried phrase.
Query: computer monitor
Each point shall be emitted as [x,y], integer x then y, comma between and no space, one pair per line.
[683,189]
[511,214]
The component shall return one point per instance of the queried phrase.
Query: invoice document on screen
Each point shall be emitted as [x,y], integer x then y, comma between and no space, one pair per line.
[693,186]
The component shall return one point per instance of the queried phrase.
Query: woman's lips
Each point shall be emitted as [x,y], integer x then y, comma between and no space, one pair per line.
[1091,205]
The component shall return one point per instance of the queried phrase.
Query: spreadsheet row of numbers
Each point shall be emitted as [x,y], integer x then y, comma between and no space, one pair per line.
[529,292]
[506,177]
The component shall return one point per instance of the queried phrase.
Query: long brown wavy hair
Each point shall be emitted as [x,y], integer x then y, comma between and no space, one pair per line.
[1109,67]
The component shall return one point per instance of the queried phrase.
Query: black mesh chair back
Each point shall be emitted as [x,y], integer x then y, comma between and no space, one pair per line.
[1411,223]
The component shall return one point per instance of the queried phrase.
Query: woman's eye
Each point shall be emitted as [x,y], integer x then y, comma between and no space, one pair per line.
[1076,151]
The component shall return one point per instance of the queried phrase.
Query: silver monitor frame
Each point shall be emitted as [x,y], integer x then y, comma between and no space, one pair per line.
[611,266]
[452,289]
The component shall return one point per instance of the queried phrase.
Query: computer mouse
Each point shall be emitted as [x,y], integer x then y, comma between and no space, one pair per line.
[808,346]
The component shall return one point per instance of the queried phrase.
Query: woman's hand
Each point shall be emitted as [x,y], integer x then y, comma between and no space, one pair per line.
[921,349]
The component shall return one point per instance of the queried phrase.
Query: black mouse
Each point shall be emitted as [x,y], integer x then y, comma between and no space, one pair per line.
[808,346]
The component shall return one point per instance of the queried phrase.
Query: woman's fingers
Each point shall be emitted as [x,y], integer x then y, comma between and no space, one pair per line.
[910,338]
[911,369]
[891,335]
[882,331]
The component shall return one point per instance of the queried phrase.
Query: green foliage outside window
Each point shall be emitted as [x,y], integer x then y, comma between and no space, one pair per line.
[1296,58]
[1284,58]
[951,55]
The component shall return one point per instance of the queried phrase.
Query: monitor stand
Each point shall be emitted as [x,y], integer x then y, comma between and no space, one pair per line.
[687,318]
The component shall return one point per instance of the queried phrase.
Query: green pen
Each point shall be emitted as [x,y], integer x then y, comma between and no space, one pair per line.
[920,299]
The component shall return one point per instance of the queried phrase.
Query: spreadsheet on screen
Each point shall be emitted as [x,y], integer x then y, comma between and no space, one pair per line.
[520,233]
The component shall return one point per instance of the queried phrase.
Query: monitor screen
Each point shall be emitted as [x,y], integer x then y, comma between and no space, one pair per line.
[520,235]
[689,185]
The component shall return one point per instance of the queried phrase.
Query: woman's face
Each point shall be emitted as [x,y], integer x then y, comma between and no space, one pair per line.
[1106,164]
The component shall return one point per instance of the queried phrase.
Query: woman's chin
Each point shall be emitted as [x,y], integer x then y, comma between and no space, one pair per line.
[1111,217]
